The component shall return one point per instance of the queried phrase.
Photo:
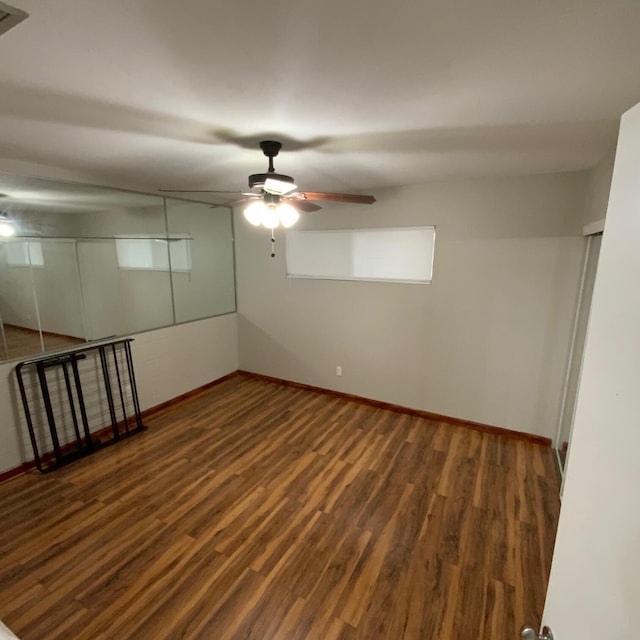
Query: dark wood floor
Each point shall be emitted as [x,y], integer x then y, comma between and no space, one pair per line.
[260,511]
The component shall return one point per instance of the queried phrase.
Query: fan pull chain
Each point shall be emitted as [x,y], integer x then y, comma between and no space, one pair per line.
[273,244]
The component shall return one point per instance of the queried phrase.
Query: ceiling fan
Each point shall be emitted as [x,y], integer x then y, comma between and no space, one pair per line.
[276,199]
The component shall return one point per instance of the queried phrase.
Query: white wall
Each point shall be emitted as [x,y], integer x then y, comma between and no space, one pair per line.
[598,187]
[177,359]
[594,589]
[168,362]
[487,341]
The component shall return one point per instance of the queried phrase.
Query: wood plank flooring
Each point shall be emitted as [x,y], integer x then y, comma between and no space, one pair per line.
[20,342]
[256,510]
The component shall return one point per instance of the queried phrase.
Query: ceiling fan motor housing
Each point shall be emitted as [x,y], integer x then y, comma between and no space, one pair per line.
[258,179]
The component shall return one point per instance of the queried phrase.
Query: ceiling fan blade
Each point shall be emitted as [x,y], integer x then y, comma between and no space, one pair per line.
[239,202]
[241,193]
[304,205]
[352,198]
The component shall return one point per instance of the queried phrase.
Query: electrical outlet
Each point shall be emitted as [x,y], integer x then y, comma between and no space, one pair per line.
[338,370]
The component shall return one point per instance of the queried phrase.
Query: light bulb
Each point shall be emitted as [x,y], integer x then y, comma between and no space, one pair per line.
[288,215]
[271,220]
[255,212]
[7,228]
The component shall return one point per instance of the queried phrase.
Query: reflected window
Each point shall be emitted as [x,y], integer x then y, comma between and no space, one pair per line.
[152,254]
[25,254]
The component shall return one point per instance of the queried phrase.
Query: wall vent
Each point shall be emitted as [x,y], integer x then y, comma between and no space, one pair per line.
[10,17]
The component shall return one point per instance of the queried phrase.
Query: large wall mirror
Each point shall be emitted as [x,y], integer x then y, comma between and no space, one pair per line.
[87,263]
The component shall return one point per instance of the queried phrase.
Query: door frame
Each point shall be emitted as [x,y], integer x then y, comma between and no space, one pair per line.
[588,231]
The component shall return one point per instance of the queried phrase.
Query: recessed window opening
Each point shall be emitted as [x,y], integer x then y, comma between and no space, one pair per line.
[381,255]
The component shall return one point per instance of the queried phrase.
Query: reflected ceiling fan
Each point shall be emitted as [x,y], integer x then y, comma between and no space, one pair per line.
[275,198]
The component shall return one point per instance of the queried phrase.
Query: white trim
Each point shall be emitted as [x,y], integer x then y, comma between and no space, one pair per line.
[572,346]
[5,632]
[355,279]
[593,227]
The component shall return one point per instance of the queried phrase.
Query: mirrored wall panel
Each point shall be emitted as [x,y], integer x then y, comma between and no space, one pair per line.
[200,243]
[122,297]
[85,263]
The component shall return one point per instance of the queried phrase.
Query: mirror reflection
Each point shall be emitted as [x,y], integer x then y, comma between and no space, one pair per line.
[87,262]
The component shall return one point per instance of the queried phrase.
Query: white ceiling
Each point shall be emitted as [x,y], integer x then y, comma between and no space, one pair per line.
[363,93]
[22,195]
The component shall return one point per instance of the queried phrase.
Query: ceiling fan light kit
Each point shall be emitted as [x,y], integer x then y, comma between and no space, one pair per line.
[271,215]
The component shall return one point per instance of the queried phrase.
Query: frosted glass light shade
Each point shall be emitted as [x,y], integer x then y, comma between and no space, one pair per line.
[255,212]
[271,215]
[288,215]
[270,218]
